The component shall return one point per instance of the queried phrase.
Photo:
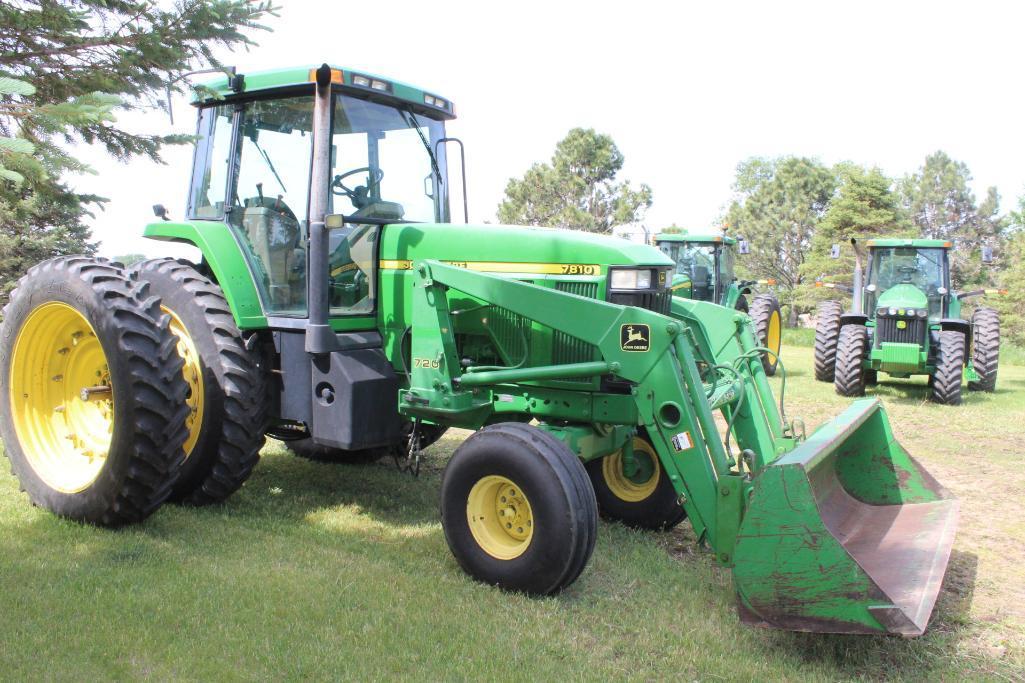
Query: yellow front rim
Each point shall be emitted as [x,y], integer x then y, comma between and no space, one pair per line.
[626,488]
[193,372]
[500,517]
[772,335]
[62,400]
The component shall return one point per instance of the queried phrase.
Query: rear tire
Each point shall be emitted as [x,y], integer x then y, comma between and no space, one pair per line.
[985,348]
[946,383]
[110,455]
[650,504]
[769,329]
[226,426]
[827,334]
[518,509]
[849,377]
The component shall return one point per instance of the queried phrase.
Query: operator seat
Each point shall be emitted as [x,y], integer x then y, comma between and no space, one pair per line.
[699,279]
[273,232]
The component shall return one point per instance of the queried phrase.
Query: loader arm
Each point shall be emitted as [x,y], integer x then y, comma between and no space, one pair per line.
[843,532]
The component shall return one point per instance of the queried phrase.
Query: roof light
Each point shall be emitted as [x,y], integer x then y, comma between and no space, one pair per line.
[361,80]
[438,102]
[336,76]
[379,85]
[429,99]
[948,245]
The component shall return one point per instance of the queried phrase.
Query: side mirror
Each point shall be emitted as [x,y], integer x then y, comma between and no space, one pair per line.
[835,251]
[987,255]
[742,246]
[160,212]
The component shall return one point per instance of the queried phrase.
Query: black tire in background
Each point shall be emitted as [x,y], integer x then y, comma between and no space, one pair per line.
[650,505]
[985,348]
[768,321]
[741,304]
[849,378]
[946,382]
[827,334]
[232,418]
[89,306]
[546,485]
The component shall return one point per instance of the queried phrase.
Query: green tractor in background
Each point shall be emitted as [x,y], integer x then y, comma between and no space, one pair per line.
[705,272]
[334,302]
[905,320]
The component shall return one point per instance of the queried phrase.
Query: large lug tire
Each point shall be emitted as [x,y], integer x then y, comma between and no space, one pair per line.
[827,334]
[768,323]
[93,411]
[305,448]
[850,376]
[646,501]
[227,387]
[985,348]
[518,509]
[946,382]
[742,304]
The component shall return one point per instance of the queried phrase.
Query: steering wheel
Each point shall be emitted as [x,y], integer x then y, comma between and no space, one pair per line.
[907,272]
[357,195]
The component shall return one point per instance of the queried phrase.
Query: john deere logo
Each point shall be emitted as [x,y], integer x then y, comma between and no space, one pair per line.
[634,337]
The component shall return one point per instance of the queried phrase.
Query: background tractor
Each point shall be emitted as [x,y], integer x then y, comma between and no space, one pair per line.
[704,271]
[905,320]
[334,302]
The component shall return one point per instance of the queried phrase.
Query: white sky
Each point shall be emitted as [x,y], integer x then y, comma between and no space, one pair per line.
[686,90]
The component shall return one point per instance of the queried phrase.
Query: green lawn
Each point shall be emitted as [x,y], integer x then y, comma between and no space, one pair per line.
[322,571]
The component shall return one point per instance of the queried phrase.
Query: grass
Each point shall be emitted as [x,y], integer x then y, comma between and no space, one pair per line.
[326,571]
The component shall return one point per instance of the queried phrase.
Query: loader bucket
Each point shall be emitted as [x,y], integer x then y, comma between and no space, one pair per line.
[845,534]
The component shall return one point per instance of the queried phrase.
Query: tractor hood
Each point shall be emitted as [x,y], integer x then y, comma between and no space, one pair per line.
[550,251]
[903,296]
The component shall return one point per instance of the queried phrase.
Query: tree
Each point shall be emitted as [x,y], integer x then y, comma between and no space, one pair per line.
[577,189]
[865,206]
[65,67]
[943,207]
[778,206]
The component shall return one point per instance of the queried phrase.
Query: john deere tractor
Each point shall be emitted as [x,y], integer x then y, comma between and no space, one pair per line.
[905,320]
[335,303]
[704,271]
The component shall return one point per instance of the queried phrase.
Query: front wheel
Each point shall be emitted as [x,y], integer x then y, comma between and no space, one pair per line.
[768,322]
[518,510]
[646,499]
[946,382]
[851,349]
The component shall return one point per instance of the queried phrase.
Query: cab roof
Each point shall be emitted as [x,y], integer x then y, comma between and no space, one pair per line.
[923,244]
[356,82]
[693,237]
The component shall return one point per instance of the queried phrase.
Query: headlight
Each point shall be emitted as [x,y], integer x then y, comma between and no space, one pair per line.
[631,279]
[892,311]
[922,313]
[881,311]
[941,290]
[870,288]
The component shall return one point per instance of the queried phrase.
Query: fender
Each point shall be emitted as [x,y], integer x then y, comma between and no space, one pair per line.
[222,253]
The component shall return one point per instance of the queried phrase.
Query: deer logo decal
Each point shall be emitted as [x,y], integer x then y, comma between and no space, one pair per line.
[634,337]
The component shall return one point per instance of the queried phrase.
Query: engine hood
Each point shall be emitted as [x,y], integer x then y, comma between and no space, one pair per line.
[903,296]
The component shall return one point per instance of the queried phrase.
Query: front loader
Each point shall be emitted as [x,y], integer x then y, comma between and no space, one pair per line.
[336,304]
[905,319]
[704,271]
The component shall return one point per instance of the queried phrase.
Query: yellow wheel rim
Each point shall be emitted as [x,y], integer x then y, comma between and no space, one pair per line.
[62,400]
[626,488]
[193,372]
[773,334]
[500,517]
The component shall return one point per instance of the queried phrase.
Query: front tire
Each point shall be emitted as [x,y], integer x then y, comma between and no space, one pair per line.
[827,335]
[769,328]
[227,397]
[94,418]
[852,348]
[946,382]
[518,510]
[646,501]
[985,349]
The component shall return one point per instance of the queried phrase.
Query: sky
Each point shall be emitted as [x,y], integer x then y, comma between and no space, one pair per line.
[686,90]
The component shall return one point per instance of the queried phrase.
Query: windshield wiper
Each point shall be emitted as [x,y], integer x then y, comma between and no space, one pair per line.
[415,123]
[270,166]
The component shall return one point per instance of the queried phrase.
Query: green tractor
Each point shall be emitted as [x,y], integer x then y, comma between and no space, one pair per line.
[704,271]
[336,304]
[905,320]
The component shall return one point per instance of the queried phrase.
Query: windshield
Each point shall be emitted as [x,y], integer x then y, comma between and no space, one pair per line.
[922,268]
[696,262]
[383,163]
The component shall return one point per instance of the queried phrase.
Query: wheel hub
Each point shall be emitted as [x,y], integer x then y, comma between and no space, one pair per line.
[500,517]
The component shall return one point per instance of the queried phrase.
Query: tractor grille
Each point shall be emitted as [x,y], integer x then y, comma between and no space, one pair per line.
[566,349]
[656,300]
[887,331]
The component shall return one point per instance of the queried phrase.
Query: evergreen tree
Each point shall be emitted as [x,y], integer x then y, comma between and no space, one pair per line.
[865,206]
[578,189]
[66,66]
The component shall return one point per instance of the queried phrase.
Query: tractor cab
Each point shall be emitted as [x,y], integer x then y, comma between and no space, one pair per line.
[704,264]
[912,275]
